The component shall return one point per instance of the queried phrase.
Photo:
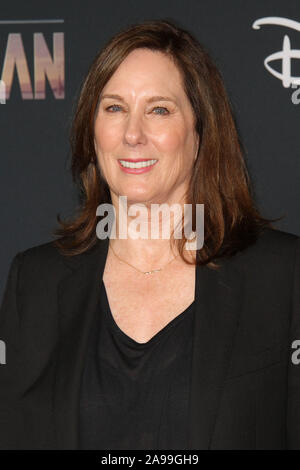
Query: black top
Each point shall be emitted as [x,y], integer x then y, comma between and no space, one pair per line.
[136,395]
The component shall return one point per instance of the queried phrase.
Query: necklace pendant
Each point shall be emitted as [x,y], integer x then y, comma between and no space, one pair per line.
[153,271]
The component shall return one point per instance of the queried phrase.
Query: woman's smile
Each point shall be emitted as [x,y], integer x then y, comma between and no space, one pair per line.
[137,166]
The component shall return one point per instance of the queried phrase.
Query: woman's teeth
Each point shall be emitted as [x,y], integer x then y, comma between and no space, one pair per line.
[137,164]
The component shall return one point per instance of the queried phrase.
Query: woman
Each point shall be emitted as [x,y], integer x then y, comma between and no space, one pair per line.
[138,343]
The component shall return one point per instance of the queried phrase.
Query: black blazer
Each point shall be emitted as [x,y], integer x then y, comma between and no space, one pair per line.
[245,389]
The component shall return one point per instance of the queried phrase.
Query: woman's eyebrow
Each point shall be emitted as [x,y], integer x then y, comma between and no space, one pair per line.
[149,100]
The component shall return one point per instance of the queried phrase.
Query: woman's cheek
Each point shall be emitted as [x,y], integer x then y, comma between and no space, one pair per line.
[107,137]
[170,140]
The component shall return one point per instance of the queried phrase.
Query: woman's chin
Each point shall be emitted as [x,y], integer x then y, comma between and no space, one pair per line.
[138,197]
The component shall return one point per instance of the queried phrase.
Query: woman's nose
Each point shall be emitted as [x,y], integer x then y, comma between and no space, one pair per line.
[134,132]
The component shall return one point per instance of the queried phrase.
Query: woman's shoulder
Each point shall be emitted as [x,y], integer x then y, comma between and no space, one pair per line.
[43,253]
[275,256]
[276,238]
[39,262]
[46,260]
[272,242]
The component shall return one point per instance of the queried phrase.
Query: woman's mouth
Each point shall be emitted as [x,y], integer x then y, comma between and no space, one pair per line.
[137,166]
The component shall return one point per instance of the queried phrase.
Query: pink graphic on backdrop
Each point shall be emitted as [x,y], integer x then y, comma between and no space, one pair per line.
[15,59]
[45,66]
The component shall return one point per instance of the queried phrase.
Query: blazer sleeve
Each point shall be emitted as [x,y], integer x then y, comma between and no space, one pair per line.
[9,354]
[293,396]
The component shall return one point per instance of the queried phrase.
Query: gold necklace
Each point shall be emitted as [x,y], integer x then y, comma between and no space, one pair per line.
[143,272]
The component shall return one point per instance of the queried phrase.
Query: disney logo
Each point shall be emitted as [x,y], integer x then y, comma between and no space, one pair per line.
[286,54]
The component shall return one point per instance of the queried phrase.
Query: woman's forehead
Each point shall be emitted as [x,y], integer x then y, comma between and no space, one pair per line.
[146,72]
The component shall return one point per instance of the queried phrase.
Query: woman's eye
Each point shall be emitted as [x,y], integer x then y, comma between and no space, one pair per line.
[157,110]
[161,108]
[113,107]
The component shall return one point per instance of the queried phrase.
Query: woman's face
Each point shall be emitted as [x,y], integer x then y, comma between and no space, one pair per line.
[145,114]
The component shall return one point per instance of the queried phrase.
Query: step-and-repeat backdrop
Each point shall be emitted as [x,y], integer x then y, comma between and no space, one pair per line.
[45,51]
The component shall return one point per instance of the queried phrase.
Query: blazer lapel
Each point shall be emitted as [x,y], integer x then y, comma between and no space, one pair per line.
[78,295]
[218,307]
[218,304]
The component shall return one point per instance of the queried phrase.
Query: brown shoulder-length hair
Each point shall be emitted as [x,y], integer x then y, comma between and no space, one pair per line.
[220,178]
